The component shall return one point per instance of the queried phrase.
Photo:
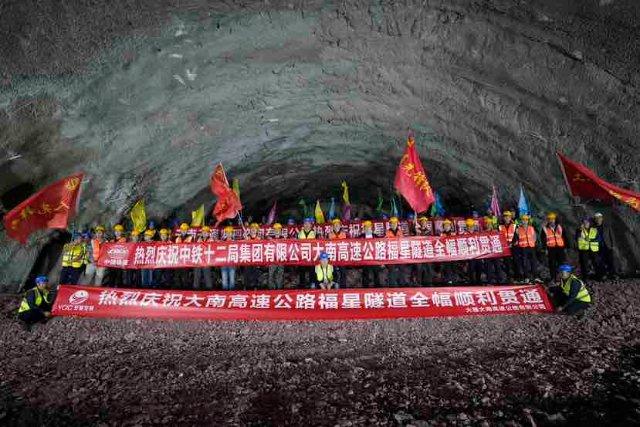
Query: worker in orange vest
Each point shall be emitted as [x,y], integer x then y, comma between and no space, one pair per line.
[508,229]
[423,272]
[553,239]
[448,268]
[396,272]
[93,274]
[336,233]
[525,239]
[251,273]
[369,272]
[474,266]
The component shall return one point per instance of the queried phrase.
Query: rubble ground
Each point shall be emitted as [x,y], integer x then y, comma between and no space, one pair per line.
[515,370]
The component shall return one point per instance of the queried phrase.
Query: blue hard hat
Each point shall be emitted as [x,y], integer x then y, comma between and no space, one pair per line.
[565,268]
[291,221]
[41,279]
[308,219]
[85,235]
[411,216]
[324,255]
[152,224]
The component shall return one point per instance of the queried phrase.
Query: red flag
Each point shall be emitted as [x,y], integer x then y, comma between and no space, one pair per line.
[411,180]
[51,207]
[228,203]
[583,182]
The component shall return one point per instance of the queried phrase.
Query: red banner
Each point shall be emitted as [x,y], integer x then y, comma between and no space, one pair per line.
[583,182]
[228,203]
[342,304]
[50,207]
[404,250]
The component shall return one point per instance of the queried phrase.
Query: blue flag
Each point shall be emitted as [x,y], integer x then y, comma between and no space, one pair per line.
[394,207]
[523,206]
[332,208]
[437,208]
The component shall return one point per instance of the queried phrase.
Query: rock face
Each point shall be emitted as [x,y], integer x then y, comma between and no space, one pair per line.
[294,97]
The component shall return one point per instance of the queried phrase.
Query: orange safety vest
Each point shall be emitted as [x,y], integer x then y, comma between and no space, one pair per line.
[398,233]
[526,237]
[95,246]
[554,237]
[508,231]
[187,239]
[337,236]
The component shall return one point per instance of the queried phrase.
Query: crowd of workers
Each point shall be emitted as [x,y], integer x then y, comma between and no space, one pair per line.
[593,241]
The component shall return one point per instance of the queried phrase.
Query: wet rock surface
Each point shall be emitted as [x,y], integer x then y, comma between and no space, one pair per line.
[510,370]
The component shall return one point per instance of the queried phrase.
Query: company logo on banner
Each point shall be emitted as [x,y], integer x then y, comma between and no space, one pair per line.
[340,304]
[379,251]
[78,297]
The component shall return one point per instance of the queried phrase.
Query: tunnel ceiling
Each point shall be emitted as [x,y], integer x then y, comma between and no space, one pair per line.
[294,97]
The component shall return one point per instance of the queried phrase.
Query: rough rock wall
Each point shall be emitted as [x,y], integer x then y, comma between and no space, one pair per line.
[293,97]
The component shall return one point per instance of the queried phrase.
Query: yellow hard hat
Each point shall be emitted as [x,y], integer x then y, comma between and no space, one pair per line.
[184,226]
[118,227]
[228,229]
[447,221]
[277,226]
[470,222]
[205,229]
[393,219]
[254,225]
[150,233]
[135,233]
[336,221]
[164,231]
[552,215]
[367,223]
[423,218]
[525,217]
[508,213]
[99,228]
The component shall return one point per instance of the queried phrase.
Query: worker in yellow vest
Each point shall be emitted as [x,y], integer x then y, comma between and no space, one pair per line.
[588,243]
[305,274]
[525,239]
[324,274]
[74,259]
[553,239]
[508,229]
[571,295]
[337,233]
[36,303]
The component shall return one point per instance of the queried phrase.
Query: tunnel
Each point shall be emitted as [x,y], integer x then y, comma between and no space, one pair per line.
[295,97]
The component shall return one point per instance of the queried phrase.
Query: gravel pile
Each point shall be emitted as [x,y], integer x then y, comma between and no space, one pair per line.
[511,370]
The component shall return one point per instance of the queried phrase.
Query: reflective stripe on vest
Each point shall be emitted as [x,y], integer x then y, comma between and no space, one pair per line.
[554,237]
[583,293]
[391,233]
[587,240]
[508,231]
[327,272]
[24,305]
[74,255]
[526,237]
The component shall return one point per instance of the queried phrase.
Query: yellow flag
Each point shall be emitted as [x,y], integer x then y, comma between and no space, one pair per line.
[345,193]
[197,217]
[319,213]
[236,187]
[139,216]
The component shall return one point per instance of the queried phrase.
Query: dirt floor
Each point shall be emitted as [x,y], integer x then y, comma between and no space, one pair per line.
[510,370]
